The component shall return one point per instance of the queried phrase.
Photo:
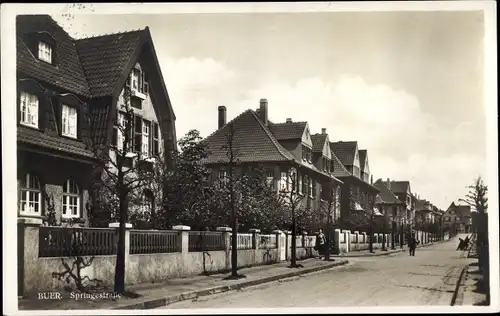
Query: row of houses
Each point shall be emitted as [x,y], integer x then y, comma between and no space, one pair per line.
[70,96]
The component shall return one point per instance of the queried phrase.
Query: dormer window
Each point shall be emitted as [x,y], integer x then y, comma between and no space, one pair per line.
[29,109]
[306,154]
[45,52]
[138,82]
[69,121]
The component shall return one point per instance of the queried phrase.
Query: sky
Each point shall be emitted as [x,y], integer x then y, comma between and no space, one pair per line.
[408,86]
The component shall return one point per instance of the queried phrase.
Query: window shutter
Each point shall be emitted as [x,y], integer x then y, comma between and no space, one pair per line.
[138,134]
[156,139]
[115,136]
[130,121]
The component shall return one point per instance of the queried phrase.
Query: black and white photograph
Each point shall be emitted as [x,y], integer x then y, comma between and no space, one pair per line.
[291,157]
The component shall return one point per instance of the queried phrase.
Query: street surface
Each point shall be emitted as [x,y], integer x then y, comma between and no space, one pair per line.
[429,278]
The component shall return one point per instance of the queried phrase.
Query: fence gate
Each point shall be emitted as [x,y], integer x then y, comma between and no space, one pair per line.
[283,247]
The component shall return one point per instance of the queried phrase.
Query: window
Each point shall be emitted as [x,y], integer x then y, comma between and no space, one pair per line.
[310,186]
[147,202]
[134,79]
[156,139]
[31,195]
[45,52]
[138,81]
[69,121]
[71,200]
[222,175]
[332,166]
[270,178]
[304,185]
[29,109]
[313,193]
[146,127]
[284,182]
[304,153]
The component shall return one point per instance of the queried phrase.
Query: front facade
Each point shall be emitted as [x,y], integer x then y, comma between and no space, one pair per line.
[457,218]
[402,190]
[69,105]
[392,208]
[279,148]
[358,194]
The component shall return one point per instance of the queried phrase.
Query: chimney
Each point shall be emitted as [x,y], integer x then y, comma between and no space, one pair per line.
[263,111]
[388,184]
[222,116]
[289,120]
[323,131]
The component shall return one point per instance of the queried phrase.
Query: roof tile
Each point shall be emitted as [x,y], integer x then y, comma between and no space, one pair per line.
[249,134]
[345,151]
[35,137]
[104,57]
[68,73]
[318,141]
[290,130]
[385,194]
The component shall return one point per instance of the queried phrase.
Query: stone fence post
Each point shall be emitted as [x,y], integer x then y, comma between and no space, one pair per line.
[255,237]
[128,227]
[227,237]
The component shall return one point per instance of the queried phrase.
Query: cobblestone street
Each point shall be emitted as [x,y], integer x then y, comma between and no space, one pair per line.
[429,278]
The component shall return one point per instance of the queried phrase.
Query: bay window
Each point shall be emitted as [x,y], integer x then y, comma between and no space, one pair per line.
[71,199]
[69,121]
[31,195]
[29,109]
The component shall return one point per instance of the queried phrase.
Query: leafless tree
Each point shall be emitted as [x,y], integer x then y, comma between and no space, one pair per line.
[291,200]
[119,172]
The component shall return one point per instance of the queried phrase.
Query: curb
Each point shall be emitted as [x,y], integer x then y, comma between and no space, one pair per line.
[459,288]
[154,303]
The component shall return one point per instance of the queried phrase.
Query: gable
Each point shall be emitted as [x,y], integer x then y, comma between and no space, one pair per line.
[306,137]
[367,166]
[356,162]
[326,149]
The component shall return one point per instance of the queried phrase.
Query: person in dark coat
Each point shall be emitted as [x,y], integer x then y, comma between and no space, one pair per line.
[460,244]
[412,244]
[320,243]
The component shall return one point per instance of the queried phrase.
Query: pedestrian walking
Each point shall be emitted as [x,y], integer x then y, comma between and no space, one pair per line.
[460,244]
[320,243]
[412,244]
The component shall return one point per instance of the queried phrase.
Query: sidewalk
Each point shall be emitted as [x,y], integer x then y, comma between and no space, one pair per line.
[154,295]
[472,295]
[379,252]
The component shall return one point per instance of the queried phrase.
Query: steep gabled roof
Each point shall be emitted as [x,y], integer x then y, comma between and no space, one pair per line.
[252,141]
[286,131]
[104,59]
[345,151]
[385,194]
[339,169]
[318,141]
[362,158]
[400,186]
[67,74]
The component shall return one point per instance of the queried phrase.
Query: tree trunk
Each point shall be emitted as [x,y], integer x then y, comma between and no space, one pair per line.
[120,253]
[328,230]
[370,231]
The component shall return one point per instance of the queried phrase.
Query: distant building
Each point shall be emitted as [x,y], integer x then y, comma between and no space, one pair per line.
[402,190]
[458,218]
[277,147]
